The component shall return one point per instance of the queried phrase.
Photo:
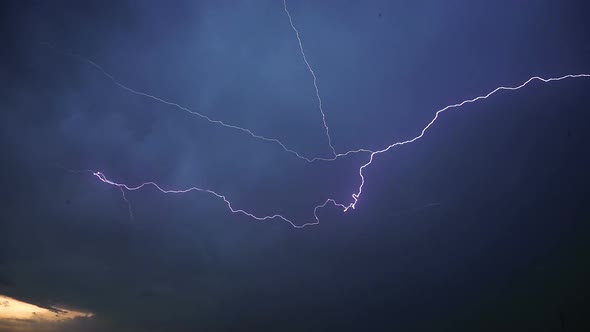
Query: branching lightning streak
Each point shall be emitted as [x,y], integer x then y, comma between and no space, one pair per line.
[315,80]
[123,187]
[355,196]
[187,110]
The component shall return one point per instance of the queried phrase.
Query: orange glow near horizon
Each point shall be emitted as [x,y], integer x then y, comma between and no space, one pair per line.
[13,309]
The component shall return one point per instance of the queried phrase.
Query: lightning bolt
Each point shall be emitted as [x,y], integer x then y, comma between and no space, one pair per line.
[355,196]
[373,153]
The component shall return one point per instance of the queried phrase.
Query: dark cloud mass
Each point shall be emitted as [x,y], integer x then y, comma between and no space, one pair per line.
[480,226]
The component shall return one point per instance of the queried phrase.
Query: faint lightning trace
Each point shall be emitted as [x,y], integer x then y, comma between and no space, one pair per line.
[315,79]
[185,109]
[355,196]
[129,208]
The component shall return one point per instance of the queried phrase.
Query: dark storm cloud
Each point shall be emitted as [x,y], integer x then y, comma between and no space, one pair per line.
[473,218]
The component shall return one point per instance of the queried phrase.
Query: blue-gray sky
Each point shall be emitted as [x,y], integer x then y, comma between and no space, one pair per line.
[481,225]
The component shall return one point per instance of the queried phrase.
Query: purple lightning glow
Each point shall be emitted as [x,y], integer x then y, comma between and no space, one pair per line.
[355,196]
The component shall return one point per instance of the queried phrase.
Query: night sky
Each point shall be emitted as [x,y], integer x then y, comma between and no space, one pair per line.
[482,225]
